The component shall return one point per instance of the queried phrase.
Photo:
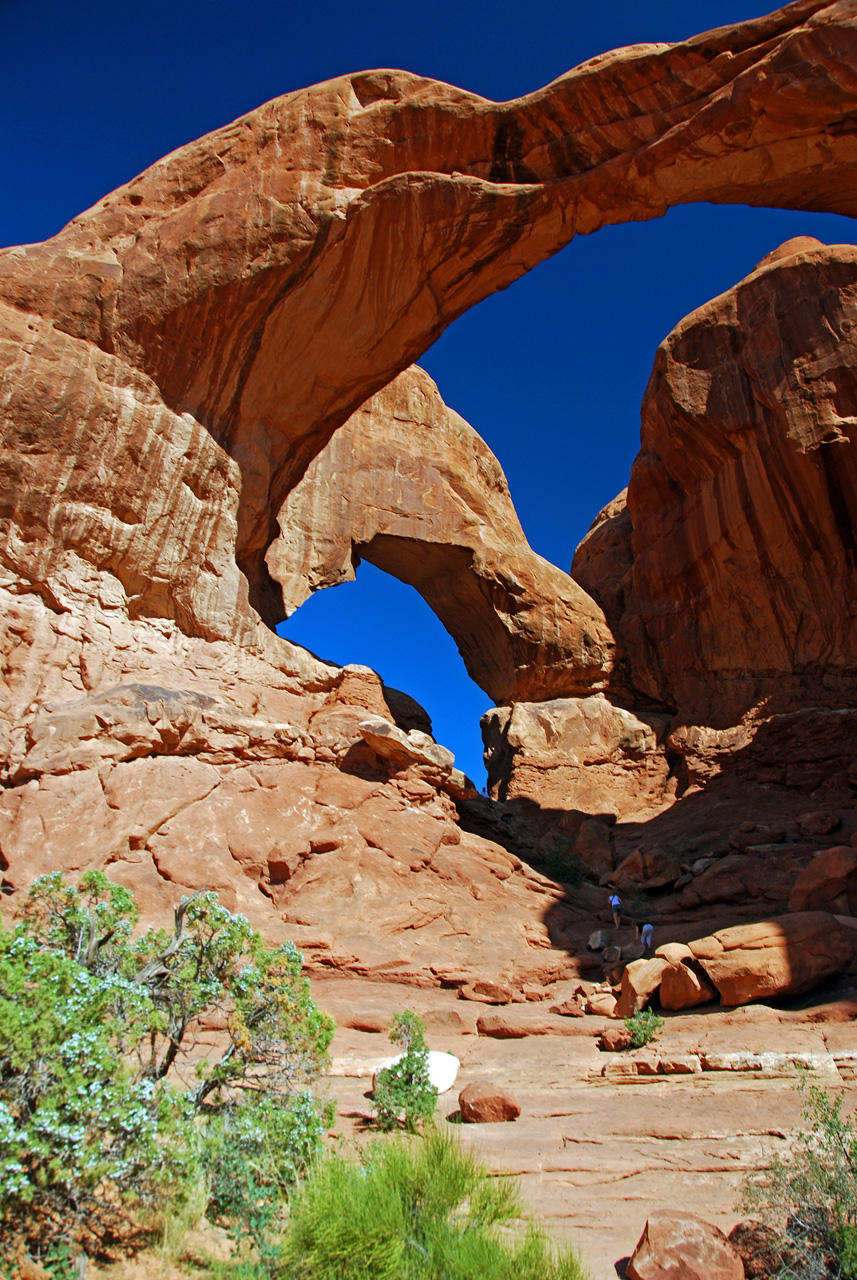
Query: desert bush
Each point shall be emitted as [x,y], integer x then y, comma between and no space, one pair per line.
[561,862]
[101,1114]
[404,1089]
[809,1196]
[414,1210]
[643,1026]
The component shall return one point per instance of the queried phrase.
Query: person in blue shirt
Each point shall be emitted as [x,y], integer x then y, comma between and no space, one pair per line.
[645,933]
[616,908]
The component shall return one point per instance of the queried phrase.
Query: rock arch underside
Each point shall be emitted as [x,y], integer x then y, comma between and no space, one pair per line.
[211,409]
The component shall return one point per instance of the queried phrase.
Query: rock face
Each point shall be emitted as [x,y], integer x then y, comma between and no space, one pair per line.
[828,883]
[172,361]
[409,486]
[733,545]
[584,753]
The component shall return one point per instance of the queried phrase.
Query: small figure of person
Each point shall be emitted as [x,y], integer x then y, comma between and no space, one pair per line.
[645,933]
[616,908]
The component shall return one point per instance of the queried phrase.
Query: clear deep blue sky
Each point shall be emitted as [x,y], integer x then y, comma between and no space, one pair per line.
[550,372]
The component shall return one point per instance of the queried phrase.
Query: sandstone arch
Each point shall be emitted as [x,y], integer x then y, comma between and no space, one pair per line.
[409,486]
[240,299]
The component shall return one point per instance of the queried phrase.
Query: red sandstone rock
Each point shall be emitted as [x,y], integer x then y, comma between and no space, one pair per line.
[615,1039]
[150,720]
[828,883]
[682,987]
[484,1103]
[410,484]
[582,753]
[602,1003]
[776,957]
[647,869]
[486,992]
[677,1246]
[640,980]
[756,1246]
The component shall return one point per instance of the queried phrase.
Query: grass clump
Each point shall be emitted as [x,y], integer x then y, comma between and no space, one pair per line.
[809,1196]
[414,1211]
[644,1027]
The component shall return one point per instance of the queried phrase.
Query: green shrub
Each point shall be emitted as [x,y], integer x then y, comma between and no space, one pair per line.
[560,860]
[404,1089]
[809,1197]
[92,1024]
[643,1026]
[414,1210]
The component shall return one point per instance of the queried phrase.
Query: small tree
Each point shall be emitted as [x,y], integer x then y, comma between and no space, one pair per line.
[405,1089]
[96,1032]
[809,1197]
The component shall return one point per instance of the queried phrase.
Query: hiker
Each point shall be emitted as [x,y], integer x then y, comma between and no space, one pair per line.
[616,908]
[645,933]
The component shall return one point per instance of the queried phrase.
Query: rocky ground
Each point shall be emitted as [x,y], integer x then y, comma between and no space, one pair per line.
[606,1139]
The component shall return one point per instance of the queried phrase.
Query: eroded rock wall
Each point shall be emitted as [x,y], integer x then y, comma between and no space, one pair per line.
[172,361]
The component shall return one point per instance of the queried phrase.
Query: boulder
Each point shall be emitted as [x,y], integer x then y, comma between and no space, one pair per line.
[615,1039]
[784,956]
[756,1246]
[828,883]
[818,823]
[485,992]
[640,981]
[682,987]
[750,834]
[572,1008]
[598,940]
[678,1246]
[602,1003]
[653,868]
[483,1103]
[414,747]
[442,1069]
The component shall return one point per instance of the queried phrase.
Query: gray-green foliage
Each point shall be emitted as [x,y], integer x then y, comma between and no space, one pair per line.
[643,1026]
[809,1196]
[93,1125]
[414,1210]
[561,861]
[404,1089]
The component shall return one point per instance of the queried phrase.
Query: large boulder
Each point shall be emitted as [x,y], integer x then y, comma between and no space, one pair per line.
[647,868]
[678,1246]
[828,883]
[785,956]
[684,987]
[640,980]
[484,1103]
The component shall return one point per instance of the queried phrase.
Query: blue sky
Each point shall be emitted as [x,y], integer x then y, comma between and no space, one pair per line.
[550,372]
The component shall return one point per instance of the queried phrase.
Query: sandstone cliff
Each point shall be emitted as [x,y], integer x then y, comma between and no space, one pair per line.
[173,360]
